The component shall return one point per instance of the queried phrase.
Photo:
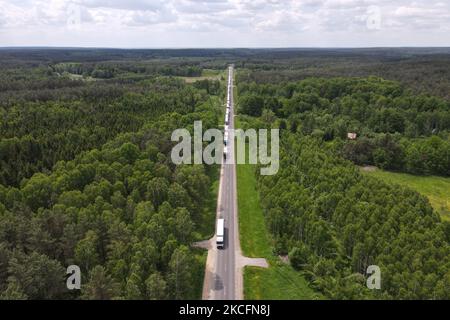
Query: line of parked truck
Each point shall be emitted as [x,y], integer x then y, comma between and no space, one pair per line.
[220,230]
[227,113]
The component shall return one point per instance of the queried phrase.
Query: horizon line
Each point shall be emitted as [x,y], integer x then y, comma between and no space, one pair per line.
[222,48]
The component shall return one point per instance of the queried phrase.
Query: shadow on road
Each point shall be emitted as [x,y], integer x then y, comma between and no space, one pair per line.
[218,283]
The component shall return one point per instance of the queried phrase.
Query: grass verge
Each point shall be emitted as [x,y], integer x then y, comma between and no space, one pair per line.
[280,281]
[198,275]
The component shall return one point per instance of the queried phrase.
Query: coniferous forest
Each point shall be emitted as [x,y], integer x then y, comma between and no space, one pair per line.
[86,179]
[332,221]
[86,176]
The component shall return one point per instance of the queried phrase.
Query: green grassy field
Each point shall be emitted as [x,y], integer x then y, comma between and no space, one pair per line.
[436,189]
[280,281]
[252,228]
[207,74]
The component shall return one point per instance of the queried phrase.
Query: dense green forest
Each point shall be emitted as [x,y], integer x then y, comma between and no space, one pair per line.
[86,176]
[332,221]
[396,128]
[56,118]
[423,70]
[86,179]
[123,213]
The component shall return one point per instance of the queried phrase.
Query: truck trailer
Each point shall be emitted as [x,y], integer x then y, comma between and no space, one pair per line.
[220,233]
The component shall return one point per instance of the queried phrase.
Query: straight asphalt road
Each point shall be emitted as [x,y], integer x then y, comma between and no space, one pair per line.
[226,266]
[220,281]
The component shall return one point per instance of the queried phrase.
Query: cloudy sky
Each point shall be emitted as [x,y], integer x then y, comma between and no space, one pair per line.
[224,23]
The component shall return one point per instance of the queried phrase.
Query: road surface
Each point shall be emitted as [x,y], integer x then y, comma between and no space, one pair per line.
[220,277]
[224,268]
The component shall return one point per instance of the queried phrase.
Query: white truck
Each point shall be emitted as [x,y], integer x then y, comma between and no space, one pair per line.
[220,233]
[225,139]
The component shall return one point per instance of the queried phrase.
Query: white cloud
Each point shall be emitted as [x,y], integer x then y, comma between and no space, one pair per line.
[223,22]
[146,5]
[283,21]
[201,7]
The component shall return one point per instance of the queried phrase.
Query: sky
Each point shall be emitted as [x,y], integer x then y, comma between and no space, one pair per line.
[224,23]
